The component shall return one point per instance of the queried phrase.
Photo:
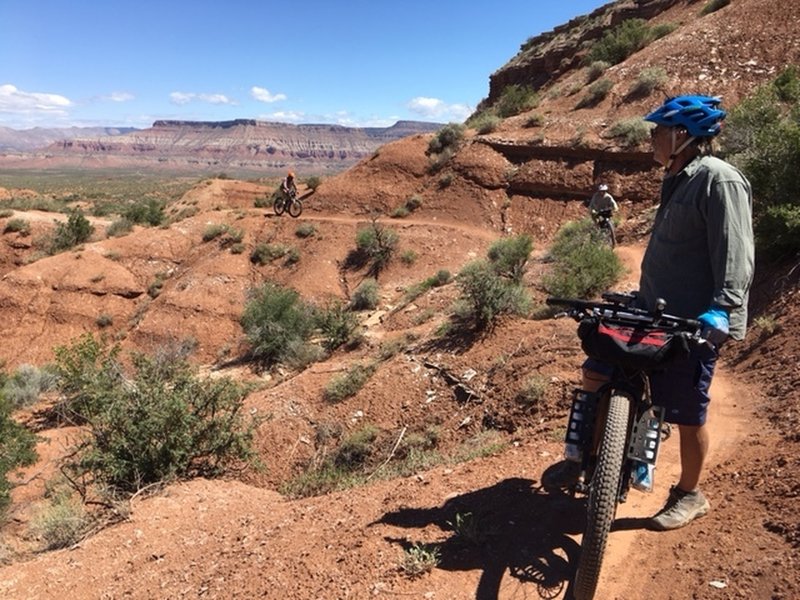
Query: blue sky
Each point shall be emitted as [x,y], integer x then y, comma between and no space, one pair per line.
[358,62]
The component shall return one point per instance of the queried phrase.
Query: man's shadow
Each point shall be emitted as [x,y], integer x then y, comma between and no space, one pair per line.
[515,532]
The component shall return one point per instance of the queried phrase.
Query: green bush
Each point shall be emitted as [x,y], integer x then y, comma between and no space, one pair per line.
[595,70]
[366,295]
[150,212]
[485,295]
[535,120]
[61,523]
[313,182]
[648,81]
[448,137]
[762,138]
[376,244]
[120,227]
[595,93]
[265,253]
[409,257]
[583,264]
[25,386]
[516,99]
[509,256]
[159,423]
[713,6]
[67,235]
[273,318]
[17,449]
[21,226]
[625,39]
[338,325]
[485,122]
[344,386]
[305,230]
[631,132]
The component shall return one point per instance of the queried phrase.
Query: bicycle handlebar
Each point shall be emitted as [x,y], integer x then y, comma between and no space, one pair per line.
[617,309]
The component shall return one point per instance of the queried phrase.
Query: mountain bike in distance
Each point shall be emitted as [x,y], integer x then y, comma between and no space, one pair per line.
[291,204]
[602,219]
[614,434]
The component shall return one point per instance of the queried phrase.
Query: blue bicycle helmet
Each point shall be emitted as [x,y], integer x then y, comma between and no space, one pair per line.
[700,115]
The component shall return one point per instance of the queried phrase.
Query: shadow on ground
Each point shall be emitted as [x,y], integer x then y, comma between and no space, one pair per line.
[517,534]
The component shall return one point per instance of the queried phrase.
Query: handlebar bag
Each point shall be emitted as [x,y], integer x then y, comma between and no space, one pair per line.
[642,348]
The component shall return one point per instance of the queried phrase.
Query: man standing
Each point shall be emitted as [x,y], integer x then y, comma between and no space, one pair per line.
[700,259]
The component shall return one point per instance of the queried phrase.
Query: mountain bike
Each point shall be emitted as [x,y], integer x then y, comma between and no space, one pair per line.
[602,219]
[293,205]
[615,433]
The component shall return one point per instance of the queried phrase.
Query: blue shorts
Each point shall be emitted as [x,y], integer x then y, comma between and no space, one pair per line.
[682,388]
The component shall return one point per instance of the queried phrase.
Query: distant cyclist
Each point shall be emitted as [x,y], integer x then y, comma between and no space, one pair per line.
[602,202]
[288,187]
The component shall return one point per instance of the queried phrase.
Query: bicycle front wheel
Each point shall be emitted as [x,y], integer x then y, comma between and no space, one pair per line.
[295,208]
[278,206]
[603,495]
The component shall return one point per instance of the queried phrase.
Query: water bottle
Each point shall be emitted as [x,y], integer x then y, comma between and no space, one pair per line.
[642,476]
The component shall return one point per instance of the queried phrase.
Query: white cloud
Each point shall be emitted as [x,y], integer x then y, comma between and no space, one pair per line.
[264,95]
[119,97]
[433,108]
[14,100]
[284,116]
[181,98]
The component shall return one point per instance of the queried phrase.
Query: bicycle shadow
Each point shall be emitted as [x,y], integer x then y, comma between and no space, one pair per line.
[513,531]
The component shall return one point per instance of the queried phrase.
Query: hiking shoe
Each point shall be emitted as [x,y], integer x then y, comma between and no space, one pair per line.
[681,509]
[562,475]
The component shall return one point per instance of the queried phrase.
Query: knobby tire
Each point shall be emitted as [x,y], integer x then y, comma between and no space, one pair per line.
[295,208]
[278,206]
[602,502]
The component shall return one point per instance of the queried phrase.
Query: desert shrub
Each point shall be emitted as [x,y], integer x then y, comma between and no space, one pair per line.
[448,137]
[442,277]
[61,523]
[159,422]
[516,99]
[313,182]
[366,295]
[376,244]
[485,295]
[273,318]
[648,80]
[413,202]
[104,320]
[150,212]
[120,227]
[762,138]
[631,132]
[27,384]
[445,180]
[531,392]
[18,225]
[305,230]
[509,256]
[595,93]
[337,324]
[713,6]
[213,231]
[625,39]
[67,235]
[344,386]
[265,253]
[778,230]
[486,122]
[583,264]
[420,559]
[408,257]
[154,289]
[595,70]
[662,30]
[17,449]
[400,212]
[535,120]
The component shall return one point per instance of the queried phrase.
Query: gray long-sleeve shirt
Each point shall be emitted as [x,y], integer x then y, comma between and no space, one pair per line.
[701,251]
